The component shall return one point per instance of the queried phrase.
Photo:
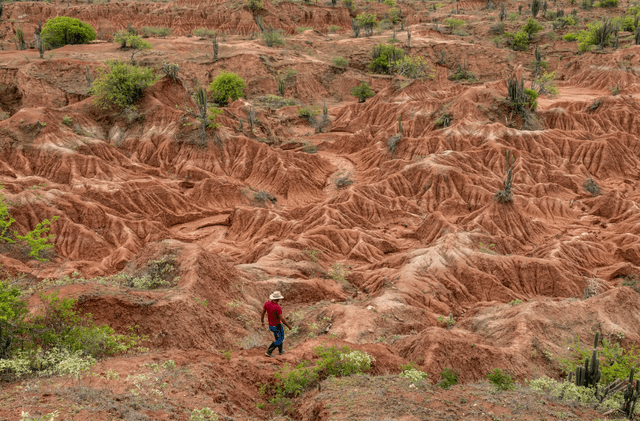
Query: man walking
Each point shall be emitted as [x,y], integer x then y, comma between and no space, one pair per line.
[274,314]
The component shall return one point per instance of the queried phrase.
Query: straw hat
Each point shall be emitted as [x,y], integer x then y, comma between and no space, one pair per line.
[276,296]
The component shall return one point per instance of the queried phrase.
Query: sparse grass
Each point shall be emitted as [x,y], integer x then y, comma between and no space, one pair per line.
[343,180]
[275,101]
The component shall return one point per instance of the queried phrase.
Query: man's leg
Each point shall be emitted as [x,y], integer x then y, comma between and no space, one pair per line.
[279,337]
[273,345]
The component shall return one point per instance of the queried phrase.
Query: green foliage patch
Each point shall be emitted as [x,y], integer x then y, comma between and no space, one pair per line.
[62,30]
[120,84]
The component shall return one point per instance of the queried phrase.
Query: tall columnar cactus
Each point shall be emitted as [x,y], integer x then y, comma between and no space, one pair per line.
[281,86]
[214,41]
[503,12]
[631,396]
[589,375]
[325,110]
[408,39]
[400,124]
[535,8]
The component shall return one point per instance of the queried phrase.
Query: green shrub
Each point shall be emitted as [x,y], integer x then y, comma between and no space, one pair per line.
[569,392]
[518,41]
[120,84]
[254,5]
[413,67]
[512,16]
[532,27]
[301,29]
[394,15]
[570,36]
[368,22]
[66,120]
[454,24]
[272,37]
[500,379]
[390,3]
[385,56]
[608,3]
[35,240]
[61,30]
[204,33]
[362,91]
[275,101]
[227,85]
[615,361]
[333,29]
[448,378]
[413,374]
[204,414]
[340,62]
[592,187]
[12,313]
[156,31]
[532,98]
[332,361]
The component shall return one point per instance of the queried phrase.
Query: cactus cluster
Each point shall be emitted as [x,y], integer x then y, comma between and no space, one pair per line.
[589,375]
[631,396]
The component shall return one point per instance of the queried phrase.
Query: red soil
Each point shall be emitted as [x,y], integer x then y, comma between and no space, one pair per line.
[418,228]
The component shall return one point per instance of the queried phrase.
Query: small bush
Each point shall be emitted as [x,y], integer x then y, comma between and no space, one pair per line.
[515,302]
[518,41]
[592,187]
[385,56]
[570,36]
[414,374]
[204,33]
[448,378]
[66,120]
[413,67]
[608,3]
[362,91]
[340,62]
[156,31]
[512,16]
[307,112]
[500,379]
[260,198]
[368,22]
[333,29]
[120,84]
[227,85]
[61,30]
[275,101]
[301,29]
[569,392]
[204,414]
[254,5]
[272,38]
[333,361]
[454,24]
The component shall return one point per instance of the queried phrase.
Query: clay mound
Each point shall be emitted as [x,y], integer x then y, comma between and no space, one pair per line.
[172,318]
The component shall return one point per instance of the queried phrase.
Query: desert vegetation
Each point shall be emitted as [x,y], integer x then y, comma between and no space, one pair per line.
[445,193]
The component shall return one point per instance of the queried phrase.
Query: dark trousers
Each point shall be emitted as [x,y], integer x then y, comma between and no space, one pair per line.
[278,333]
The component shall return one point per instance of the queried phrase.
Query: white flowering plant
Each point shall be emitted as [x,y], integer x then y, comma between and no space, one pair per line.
[204,414]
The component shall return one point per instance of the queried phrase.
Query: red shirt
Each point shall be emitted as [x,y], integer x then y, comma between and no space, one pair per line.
[273,312]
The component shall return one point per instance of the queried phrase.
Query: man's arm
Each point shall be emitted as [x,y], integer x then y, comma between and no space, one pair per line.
[264,311]
[283,320]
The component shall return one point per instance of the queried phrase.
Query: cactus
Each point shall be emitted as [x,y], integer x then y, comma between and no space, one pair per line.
[88,76]
[503,12]
[281,86]
[325,110]
[589,375]
[517,95]
[631,396]
[409,39]
[200,98]
[214,40]
[545,6]
[400,124]
[637,35]
[535,8]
